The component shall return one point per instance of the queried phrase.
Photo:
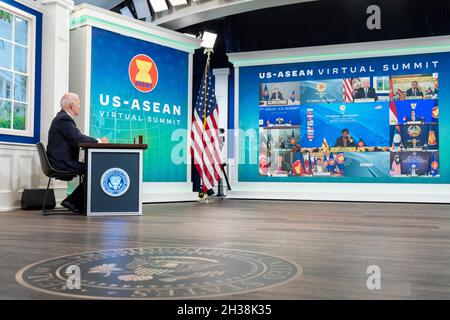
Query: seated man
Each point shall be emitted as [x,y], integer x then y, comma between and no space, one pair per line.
[414,144]
[366,91]
[63,150]
[276,95]
[345,140]
[319,167]
[413,118]
[280,165]
[414,91]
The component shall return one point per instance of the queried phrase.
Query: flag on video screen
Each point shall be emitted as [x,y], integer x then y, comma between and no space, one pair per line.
[266,93]
[348,90]
[431,137]
[393,117]
[292,96]
[340,160]
[434,164]
[205,134]
[310,164]
[331,163]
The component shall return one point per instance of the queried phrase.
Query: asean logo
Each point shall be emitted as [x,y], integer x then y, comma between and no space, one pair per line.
[297,167]
[432,138]
[435,112]
[414,131]
[143,73]
[115,182]
[434,165]
[340,158]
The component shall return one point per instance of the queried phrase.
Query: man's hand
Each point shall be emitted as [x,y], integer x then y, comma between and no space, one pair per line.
[104,140]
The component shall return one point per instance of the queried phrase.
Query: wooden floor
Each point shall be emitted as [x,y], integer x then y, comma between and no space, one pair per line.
[333,242]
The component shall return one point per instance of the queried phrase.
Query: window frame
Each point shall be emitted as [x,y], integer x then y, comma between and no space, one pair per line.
[31,65]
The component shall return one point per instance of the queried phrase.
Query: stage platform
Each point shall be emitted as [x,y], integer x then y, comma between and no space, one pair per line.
[314,250]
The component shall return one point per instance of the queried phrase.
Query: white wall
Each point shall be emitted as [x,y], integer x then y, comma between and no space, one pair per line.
[55,59]
[221,89]
[21,170]
[20,167]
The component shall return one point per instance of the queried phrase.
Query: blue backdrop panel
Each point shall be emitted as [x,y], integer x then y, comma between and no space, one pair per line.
[425,110]
[367,164]
[366,121]
[332,91]
[121,112]
[287,115]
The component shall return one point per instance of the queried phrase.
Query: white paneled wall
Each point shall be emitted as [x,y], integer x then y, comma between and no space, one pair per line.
[221,87]
[20,169]
[6,174]
[19,163]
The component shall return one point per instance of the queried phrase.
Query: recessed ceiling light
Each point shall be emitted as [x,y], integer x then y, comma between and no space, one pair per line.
[159,5]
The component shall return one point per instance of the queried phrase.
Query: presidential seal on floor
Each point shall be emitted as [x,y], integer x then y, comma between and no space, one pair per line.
[157,273]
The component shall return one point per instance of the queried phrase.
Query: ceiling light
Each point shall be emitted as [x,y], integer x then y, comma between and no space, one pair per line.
[208,40]
[159,5]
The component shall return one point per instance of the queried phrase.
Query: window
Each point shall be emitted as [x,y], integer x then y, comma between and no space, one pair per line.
[16,90]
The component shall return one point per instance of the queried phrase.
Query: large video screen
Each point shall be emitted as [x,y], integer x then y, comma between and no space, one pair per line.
[361,120]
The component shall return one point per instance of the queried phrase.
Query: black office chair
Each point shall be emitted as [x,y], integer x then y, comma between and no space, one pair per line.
[51,173]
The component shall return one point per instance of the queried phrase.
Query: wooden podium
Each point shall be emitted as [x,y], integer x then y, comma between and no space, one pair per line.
[113,180]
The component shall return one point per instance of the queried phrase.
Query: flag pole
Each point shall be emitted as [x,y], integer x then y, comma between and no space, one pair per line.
[208,52]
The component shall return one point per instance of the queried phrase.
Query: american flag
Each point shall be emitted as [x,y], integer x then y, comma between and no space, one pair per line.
[205,148]
[347,90]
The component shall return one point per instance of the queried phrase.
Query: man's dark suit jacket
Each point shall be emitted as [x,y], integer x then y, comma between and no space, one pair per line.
[340,143]
[370,93]
[63,140]
[276,96]
[409,93]
[284,167]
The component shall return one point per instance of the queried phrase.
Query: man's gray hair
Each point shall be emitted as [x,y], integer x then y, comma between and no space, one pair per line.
[67,99]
